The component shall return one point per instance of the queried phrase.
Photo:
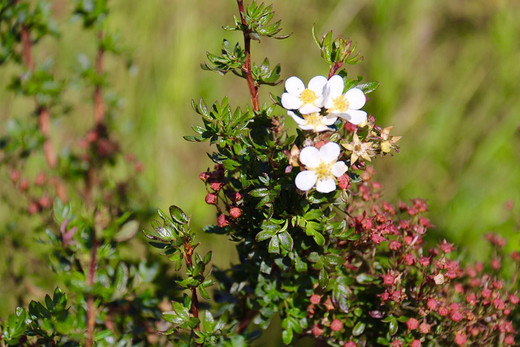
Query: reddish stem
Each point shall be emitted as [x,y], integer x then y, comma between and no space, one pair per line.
[99,106]
[43,113]
[91,310]
[334,68]
[246,68]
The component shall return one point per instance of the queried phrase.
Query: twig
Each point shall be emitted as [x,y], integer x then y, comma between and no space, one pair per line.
[246,68]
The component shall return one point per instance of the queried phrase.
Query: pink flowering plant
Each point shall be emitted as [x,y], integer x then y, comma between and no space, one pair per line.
[293,188]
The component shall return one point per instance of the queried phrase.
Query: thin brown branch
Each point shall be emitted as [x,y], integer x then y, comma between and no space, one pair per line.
[43,113]
[91,310]
[99,105]
[246,68]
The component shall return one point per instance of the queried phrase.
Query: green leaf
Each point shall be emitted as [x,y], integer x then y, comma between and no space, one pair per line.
[178,215]
[318,238]
[359,328]
[286,241]
[313,215]
[287,336]
[259,193]
[274,245]
[127,231]
[264,235]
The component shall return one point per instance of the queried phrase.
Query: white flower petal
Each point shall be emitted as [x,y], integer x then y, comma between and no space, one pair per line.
[307,108]
[305,127]
[291,102]
[320,127]
[317,84]
[296,118]
[356,116]
[334,87]
[294,85]
[305,180]
[339,169]
[356,98]
[329,119]
[329,152]
[326,185]
[310,156]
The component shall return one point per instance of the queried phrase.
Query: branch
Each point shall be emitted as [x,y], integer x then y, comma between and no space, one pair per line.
[246,68]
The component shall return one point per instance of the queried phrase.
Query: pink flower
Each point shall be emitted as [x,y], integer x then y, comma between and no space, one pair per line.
[416,343]
[350,344]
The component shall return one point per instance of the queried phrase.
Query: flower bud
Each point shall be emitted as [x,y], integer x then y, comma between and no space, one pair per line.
[211,199]
[222,221]
[336,325]
[235,212]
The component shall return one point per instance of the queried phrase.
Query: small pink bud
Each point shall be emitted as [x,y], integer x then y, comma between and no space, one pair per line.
[350,344]
[394,245]
[33,208]
[24,185]
[222,221]
[412,324]
[432,304]
[388,279]
[45,201]
[235,212]
[40,179]
[514,299]
[216,186]
[460,338]
[509,340]
[315,299]
[416,343]
[424,328]
[204,176]
[316,331]
[211,199]
[15,175]
[336,325]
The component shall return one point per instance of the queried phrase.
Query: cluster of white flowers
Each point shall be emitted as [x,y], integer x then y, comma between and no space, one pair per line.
[322,102]
[315,108]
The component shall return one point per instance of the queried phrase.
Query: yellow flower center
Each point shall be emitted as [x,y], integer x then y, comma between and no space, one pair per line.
[323,170]
[308,96]
[313,119]
[340,104]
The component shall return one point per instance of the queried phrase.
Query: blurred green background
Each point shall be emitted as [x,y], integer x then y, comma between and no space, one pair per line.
[450,80]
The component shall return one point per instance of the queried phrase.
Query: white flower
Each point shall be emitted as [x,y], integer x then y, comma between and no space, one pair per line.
[313,121]
[322,166]
[346,105]
[306,100]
